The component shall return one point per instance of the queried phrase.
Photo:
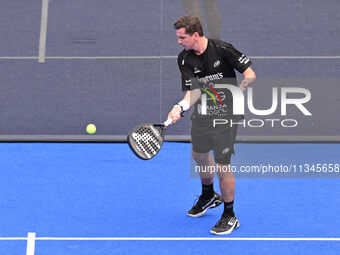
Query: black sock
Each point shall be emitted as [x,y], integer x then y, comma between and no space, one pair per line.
[208,190]
[228,209]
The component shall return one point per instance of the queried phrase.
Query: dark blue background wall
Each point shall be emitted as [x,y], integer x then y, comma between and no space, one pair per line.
[113,63]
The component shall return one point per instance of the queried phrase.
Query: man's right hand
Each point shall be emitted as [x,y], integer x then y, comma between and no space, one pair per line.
[175,114]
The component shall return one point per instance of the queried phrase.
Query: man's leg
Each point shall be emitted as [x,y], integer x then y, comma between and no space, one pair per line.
[228,221]
[227,182]
[209,198]
[205,161]
[224,148]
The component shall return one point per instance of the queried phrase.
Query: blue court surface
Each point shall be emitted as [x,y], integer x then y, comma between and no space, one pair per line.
[99,198]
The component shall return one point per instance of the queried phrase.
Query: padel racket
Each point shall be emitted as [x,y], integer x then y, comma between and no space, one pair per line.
[146,140]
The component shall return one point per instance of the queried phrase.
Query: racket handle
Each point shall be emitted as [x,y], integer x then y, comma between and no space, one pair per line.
[167,122]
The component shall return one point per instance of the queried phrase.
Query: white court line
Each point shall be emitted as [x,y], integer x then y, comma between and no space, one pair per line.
[17,58]
[336,239]
[170,57]
[30,243]
[294,57]
[43,31]
[13,238]
[109,57]
[43,57]
[31,238]
[181,239]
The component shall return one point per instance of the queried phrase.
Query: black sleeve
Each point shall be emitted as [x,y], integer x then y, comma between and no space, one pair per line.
[189,81]
[236,58]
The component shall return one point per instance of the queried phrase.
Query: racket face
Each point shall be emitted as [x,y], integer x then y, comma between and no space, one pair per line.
[145,141]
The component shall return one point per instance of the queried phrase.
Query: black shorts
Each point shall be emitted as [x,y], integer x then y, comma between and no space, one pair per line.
[221,140]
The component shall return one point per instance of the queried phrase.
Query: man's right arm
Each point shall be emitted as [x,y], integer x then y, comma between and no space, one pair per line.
[192,94]
[189,99]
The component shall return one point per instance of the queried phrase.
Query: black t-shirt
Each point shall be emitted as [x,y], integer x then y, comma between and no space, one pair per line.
[216,65]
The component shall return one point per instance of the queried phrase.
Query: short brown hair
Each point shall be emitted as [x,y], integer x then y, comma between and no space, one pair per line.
[191,24]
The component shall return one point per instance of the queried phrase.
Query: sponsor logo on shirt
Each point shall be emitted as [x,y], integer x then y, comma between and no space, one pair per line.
[209,78]
[225,151]
[243,59]
[188,82]
[221,94]
[217,63]
[196,70]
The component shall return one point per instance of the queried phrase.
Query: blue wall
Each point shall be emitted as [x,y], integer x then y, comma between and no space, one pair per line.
[119,90]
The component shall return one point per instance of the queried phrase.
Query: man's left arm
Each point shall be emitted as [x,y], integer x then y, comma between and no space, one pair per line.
[249,76]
